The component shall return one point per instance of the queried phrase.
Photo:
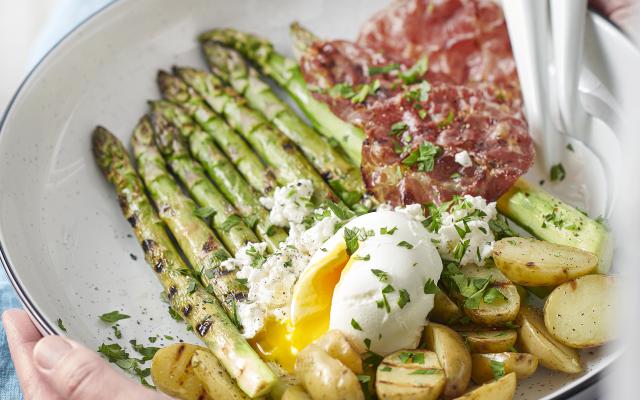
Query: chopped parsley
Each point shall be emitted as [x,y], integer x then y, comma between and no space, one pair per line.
[447,121]
[385,369]
[357,95]
[355,325]
[497,368]
[257,258]
[409,357]
[413,74]
[430,287]
[366,257]
[61,325]
[405,244]
[367,342]
[386,231]
[384,69]
[147,353]
[340,211]
[192,286]
[424,156]
[428,371]
[399,127]
[404,298]
[500,228]
[570,147]
[113,317]
[557,173]
[380,274]
[204,212]
[231,222]
[492,295]
[353,237]
[116,331]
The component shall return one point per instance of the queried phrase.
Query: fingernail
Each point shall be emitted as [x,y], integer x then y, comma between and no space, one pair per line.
[50,350]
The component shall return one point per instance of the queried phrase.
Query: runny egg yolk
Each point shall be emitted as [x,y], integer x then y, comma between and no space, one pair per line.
[280,341]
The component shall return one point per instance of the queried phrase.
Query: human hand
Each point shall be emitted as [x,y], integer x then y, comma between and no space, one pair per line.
[57,368]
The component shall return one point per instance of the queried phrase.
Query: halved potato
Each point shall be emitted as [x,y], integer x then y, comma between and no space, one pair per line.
[324,377]
[453,356]
[215,379]
[444,310]
[490,341]
[532,262]
[484,365]
[410,374]
[337,346]
[581,313]
[534,338]
[501,389]
[499,312]
[172,372]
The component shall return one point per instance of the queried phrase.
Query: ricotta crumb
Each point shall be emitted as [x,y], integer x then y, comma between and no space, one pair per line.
[463,158]
[270,277]
[290,203]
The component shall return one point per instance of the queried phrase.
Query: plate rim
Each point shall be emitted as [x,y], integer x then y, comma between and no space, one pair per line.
[47,328]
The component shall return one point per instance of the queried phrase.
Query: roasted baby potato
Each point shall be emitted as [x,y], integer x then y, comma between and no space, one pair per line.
[215,379]
[409,375]
[581,313]
[490,341]
[534,338]
[499,312]
[486,365]
[501,389]
[453,356]
[337,346]
[172,372]
[295,393]
[324,377]
[444,309]
[531,262]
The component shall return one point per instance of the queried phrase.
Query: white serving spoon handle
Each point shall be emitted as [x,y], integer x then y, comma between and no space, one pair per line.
[567,22]
[528,25]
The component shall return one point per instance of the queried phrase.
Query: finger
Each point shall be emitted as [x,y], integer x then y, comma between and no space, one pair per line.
[78,373]
[22,336]
[624,13]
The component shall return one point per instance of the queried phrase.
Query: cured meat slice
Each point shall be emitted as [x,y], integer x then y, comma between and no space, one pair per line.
[466,40]
[434,130]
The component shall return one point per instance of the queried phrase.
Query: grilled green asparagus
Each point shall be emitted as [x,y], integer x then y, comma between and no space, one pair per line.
[234,187]
[197,241]
[200,309]
[245,159]
[226,222]
[276,149]
[288,75]
[343,177]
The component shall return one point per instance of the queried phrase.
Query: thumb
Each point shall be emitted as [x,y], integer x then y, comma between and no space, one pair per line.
[78,373]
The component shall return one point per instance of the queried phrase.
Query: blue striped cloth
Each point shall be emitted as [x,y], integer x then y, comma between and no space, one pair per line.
[67,15]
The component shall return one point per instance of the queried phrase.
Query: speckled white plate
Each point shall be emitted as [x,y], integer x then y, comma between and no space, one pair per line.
[64,244]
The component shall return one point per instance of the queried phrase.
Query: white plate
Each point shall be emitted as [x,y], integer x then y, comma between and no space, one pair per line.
[63,241]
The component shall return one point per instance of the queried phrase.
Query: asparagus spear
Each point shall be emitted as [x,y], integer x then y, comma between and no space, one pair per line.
[234,187]
[226,222]
[276,149]
[247,162]
[343,177]
[288,75]
[197,241]
[199,308]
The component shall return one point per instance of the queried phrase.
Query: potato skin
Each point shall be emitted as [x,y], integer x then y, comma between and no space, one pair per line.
[581,313]
[522,364]
[490,341]
[335,344]
[531,262]
[453,356]
[400,379]
[534,338]
[173,374]
[445,310]
[501,389]
[324,377]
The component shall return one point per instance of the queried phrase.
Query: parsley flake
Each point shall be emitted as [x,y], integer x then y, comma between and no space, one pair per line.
[113,317]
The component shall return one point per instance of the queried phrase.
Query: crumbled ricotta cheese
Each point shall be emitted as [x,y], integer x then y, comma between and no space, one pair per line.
[290,203]
[271,277]
[464,234]
[463,158]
